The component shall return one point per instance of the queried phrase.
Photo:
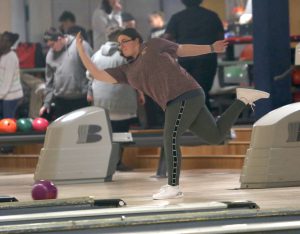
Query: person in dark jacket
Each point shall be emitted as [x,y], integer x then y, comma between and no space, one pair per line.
[200,26]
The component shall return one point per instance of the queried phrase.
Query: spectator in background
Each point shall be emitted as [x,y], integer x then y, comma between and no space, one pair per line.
[197,25]
[128,20]
[120,100]
[66,83]
[105,16]
[11,91]
[68,25]
[33,87]
[157,23]
[155,115]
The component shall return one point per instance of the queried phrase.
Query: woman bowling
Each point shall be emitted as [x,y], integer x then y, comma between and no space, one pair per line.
[152,68]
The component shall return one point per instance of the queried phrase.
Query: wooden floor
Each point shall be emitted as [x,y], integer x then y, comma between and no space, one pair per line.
[136,188]
[218,183]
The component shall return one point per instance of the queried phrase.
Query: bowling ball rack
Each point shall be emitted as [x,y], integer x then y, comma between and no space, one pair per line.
[139,139]
[22,138]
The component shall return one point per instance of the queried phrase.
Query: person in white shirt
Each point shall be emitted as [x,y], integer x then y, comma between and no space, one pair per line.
[107,15]
[11,92]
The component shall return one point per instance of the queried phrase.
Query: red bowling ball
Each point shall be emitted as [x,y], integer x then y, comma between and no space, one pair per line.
[40,124]
[8,126]
[296,76]
[44,189]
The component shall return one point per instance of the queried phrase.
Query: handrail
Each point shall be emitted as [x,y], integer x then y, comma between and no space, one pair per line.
[33,70]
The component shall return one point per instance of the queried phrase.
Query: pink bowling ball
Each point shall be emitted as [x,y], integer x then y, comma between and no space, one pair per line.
[44,189]
[40,124]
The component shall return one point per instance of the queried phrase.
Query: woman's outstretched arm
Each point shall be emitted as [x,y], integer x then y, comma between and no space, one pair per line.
[97,73]
[187,50]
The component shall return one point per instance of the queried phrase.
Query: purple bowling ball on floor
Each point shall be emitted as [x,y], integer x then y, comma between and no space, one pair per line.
[39,192]
[44,189]
[52,190]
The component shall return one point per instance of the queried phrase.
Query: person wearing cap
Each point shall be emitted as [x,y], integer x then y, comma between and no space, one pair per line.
[107,15]
[66,83]
[153,69]
[68,25]
[120,99]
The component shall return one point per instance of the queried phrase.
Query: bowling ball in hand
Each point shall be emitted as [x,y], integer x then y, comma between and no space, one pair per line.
[8,126]
[40,124]
[24,125]
[44,189]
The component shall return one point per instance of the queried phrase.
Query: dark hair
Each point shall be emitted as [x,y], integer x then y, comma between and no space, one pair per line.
[127,17]
[67,15]
[12,37]
[132,33]
[106,6]
[52,34]
[191,3]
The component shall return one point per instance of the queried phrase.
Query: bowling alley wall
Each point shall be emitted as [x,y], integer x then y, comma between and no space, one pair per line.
[43,14]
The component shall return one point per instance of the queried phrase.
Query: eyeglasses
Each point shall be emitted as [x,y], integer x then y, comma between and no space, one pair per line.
[124,42]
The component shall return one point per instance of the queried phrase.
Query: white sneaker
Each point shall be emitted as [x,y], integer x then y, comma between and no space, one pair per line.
[249,96]
[168,192]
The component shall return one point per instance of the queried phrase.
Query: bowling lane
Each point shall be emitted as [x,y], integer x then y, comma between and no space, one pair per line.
[136,188]
[55,205]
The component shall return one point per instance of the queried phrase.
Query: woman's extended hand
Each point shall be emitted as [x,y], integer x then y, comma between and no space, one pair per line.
[220,46]
[96,72]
